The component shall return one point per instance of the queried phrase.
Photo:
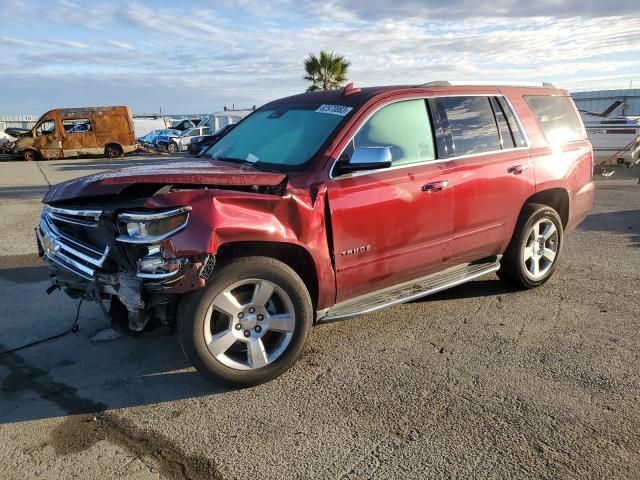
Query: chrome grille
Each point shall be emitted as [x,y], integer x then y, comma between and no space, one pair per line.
[71,239]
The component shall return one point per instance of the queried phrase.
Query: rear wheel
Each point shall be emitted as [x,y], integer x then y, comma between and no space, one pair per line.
[112,151]
[249,324]
[535,248]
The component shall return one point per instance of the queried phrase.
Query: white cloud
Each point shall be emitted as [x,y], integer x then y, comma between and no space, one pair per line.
[253,50]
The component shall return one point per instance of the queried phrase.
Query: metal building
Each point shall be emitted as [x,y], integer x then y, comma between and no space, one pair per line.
[599,101]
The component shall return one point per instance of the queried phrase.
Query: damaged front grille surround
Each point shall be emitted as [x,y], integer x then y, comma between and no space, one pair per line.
[76,255]
[99,253]
[70,253]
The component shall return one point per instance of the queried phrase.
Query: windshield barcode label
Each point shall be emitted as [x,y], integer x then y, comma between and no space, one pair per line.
[340,110]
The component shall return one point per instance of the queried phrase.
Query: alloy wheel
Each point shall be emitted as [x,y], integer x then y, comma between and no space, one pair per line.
[249,324]
[541,249]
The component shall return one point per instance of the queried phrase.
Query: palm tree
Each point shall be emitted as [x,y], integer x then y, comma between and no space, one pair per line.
[328,72]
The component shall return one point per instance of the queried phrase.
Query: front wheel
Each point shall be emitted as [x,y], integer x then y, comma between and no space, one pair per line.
[535,248]
[172,147]
[29,155]
[249,325]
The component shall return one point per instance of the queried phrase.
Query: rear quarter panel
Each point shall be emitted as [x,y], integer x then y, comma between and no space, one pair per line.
[114,125]
[568,166]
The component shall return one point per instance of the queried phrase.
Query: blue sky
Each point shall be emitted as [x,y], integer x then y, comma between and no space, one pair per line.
[198,56]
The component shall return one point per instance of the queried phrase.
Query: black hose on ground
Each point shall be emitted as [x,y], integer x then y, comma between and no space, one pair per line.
[73,328]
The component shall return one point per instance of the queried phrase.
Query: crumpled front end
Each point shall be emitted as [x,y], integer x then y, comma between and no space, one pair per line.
[118,255]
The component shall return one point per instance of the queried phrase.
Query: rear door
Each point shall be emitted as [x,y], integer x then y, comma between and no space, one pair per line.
[79,137]
[493,174]
[391,225]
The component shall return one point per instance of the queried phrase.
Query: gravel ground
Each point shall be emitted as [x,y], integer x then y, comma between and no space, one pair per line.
[480,381]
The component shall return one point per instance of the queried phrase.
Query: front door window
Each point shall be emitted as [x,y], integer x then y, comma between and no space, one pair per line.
[47,127]
[402,126]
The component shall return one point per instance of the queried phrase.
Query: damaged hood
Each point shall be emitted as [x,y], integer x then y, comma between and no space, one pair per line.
[201,172]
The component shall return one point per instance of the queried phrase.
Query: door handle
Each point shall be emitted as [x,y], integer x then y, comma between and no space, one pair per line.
[517,169]
[435,186]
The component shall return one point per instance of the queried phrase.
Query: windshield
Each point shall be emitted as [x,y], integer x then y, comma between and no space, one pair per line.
[281,137]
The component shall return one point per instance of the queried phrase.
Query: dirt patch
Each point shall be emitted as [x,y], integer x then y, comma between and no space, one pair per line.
[80,432]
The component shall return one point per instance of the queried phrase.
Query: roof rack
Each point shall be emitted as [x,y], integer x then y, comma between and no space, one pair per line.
[350,90]
[436,83]
[447,83]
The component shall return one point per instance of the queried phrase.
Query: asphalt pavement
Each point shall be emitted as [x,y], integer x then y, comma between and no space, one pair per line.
[481,381]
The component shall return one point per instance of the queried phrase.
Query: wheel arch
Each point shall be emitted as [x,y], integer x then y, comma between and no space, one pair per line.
[36,151]
[556,198]
[115,144]
[295,256]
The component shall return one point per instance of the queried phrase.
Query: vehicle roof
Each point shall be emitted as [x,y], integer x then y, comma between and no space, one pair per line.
[362,95]
[70,112]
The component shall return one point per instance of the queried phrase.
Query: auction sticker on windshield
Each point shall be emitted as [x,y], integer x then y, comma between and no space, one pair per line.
[340,110]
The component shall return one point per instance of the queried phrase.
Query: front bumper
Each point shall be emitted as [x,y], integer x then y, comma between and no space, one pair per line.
[109,270]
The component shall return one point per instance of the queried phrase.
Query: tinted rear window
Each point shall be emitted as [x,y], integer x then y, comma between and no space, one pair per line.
[557,117]
[472,124]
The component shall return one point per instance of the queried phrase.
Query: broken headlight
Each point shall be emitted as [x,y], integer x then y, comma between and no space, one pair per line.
[155,266]
[151,227]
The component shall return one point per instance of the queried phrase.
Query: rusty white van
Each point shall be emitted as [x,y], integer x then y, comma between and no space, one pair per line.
[72,132]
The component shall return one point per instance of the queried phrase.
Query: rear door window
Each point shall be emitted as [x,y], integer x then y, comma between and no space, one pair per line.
[77,125]
[557,117]
[471,122]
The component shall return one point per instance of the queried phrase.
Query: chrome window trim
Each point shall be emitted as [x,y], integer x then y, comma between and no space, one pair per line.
[523,132]
[437,160]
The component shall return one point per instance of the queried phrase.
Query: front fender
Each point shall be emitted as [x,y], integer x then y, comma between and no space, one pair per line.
[224,216]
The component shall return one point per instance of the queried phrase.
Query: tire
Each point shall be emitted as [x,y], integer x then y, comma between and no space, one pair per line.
[529,248]
[112,151]
[172,147]
[30,155]
[243,346]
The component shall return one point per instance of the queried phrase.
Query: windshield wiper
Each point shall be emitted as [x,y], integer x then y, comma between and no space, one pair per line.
[243,161]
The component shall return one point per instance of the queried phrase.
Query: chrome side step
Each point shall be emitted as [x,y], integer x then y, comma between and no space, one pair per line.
[412,290]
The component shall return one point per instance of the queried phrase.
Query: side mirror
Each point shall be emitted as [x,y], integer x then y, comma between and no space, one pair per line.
[368,158]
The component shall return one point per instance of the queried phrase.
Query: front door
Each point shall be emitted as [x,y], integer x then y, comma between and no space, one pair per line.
[47,138]
[186,138]
[391,225]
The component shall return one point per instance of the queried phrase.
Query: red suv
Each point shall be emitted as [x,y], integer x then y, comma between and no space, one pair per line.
[324,206]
